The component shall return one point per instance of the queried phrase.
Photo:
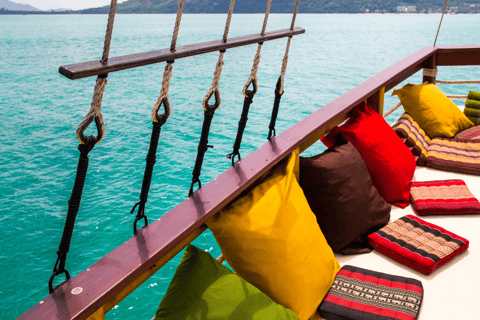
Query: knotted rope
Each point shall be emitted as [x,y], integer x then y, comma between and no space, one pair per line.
[210,109]
[285,57]
[167,73]
[158,122]
[86,145]
[96,105]
[218,67]
[281,79]
[256,59]
[249,94]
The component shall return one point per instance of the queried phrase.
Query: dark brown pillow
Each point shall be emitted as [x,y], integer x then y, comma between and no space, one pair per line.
[340,193]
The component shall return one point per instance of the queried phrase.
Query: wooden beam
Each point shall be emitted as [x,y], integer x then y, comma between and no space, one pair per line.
[94,68]
[147,274]
[458,56]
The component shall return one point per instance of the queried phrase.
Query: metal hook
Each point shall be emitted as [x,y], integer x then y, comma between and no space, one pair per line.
[55,273]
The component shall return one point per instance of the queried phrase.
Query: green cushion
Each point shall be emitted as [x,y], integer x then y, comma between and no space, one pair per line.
[203,288]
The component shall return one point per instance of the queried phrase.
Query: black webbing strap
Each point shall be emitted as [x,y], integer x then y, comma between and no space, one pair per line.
[73,206]
[147,177]
[202,148]
[276,106]
[249,94]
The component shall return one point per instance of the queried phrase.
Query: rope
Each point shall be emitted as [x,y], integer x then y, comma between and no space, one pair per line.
[158,122]
[285,57]
[441,19]
[229,19]
[389,112]
[163,96]
[458,82]
[167,73]
[457,97]
[96,105]
[73,207]
[177,25]
[215,83]
[108,36]
[281,79]
[256,59]
[249,94]
[210,109]
[429,72]
[202,148]
[215,88]
[86,145]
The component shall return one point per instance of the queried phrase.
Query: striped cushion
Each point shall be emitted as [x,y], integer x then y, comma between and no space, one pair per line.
[443,197]
[454,155]
[418,244]
[363,294]
[413,136]
[472,133]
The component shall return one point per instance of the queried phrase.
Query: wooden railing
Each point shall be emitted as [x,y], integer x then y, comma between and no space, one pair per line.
[98,289]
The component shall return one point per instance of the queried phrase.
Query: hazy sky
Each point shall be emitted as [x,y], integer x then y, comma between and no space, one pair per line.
[67,4]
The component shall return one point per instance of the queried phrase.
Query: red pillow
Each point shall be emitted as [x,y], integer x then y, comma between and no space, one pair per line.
[389,161]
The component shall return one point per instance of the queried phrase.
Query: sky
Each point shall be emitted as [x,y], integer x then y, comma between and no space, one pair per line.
[65,4]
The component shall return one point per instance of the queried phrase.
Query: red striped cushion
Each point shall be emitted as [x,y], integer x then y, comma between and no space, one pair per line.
[443,197]
[418,244]
[363,294]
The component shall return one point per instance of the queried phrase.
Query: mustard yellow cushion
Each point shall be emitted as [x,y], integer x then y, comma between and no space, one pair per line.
[432,110]
[271,238]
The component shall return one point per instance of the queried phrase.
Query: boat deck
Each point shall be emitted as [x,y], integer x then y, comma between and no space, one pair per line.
[453,290]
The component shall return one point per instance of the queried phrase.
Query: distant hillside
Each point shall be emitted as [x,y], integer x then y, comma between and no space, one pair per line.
[278,6]
[9,5]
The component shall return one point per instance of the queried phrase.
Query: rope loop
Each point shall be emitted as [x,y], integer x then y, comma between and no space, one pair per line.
[163,96]
[212,107]
[98,123]
[250,93]
[95,111]
[162,118]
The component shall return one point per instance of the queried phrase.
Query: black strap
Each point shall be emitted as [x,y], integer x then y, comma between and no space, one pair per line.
[147,177]
[276,106]
[202,148]
[249,94]
[73,206]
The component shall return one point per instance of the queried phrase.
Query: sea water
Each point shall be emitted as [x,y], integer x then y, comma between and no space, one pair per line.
[40,111]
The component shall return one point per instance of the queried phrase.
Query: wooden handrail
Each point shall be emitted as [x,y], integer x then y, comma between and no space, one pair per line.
[94,68]
[136,259]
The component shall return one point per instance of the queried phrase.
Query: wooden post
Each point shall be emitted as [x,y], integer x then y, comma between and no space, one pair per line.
[376,101]
[431,63]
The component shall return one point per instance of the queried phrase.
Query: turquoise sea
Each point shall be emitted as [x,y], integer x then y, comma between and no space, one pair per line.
[40,111]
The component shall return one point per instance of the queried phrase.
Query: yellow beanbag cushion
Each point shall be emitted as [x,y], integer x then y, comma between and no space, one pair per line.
[432,110]
[271,238]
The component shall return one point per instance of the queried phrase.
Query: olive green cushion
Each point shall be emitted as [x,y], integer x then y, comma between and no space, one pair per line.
[203,288]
